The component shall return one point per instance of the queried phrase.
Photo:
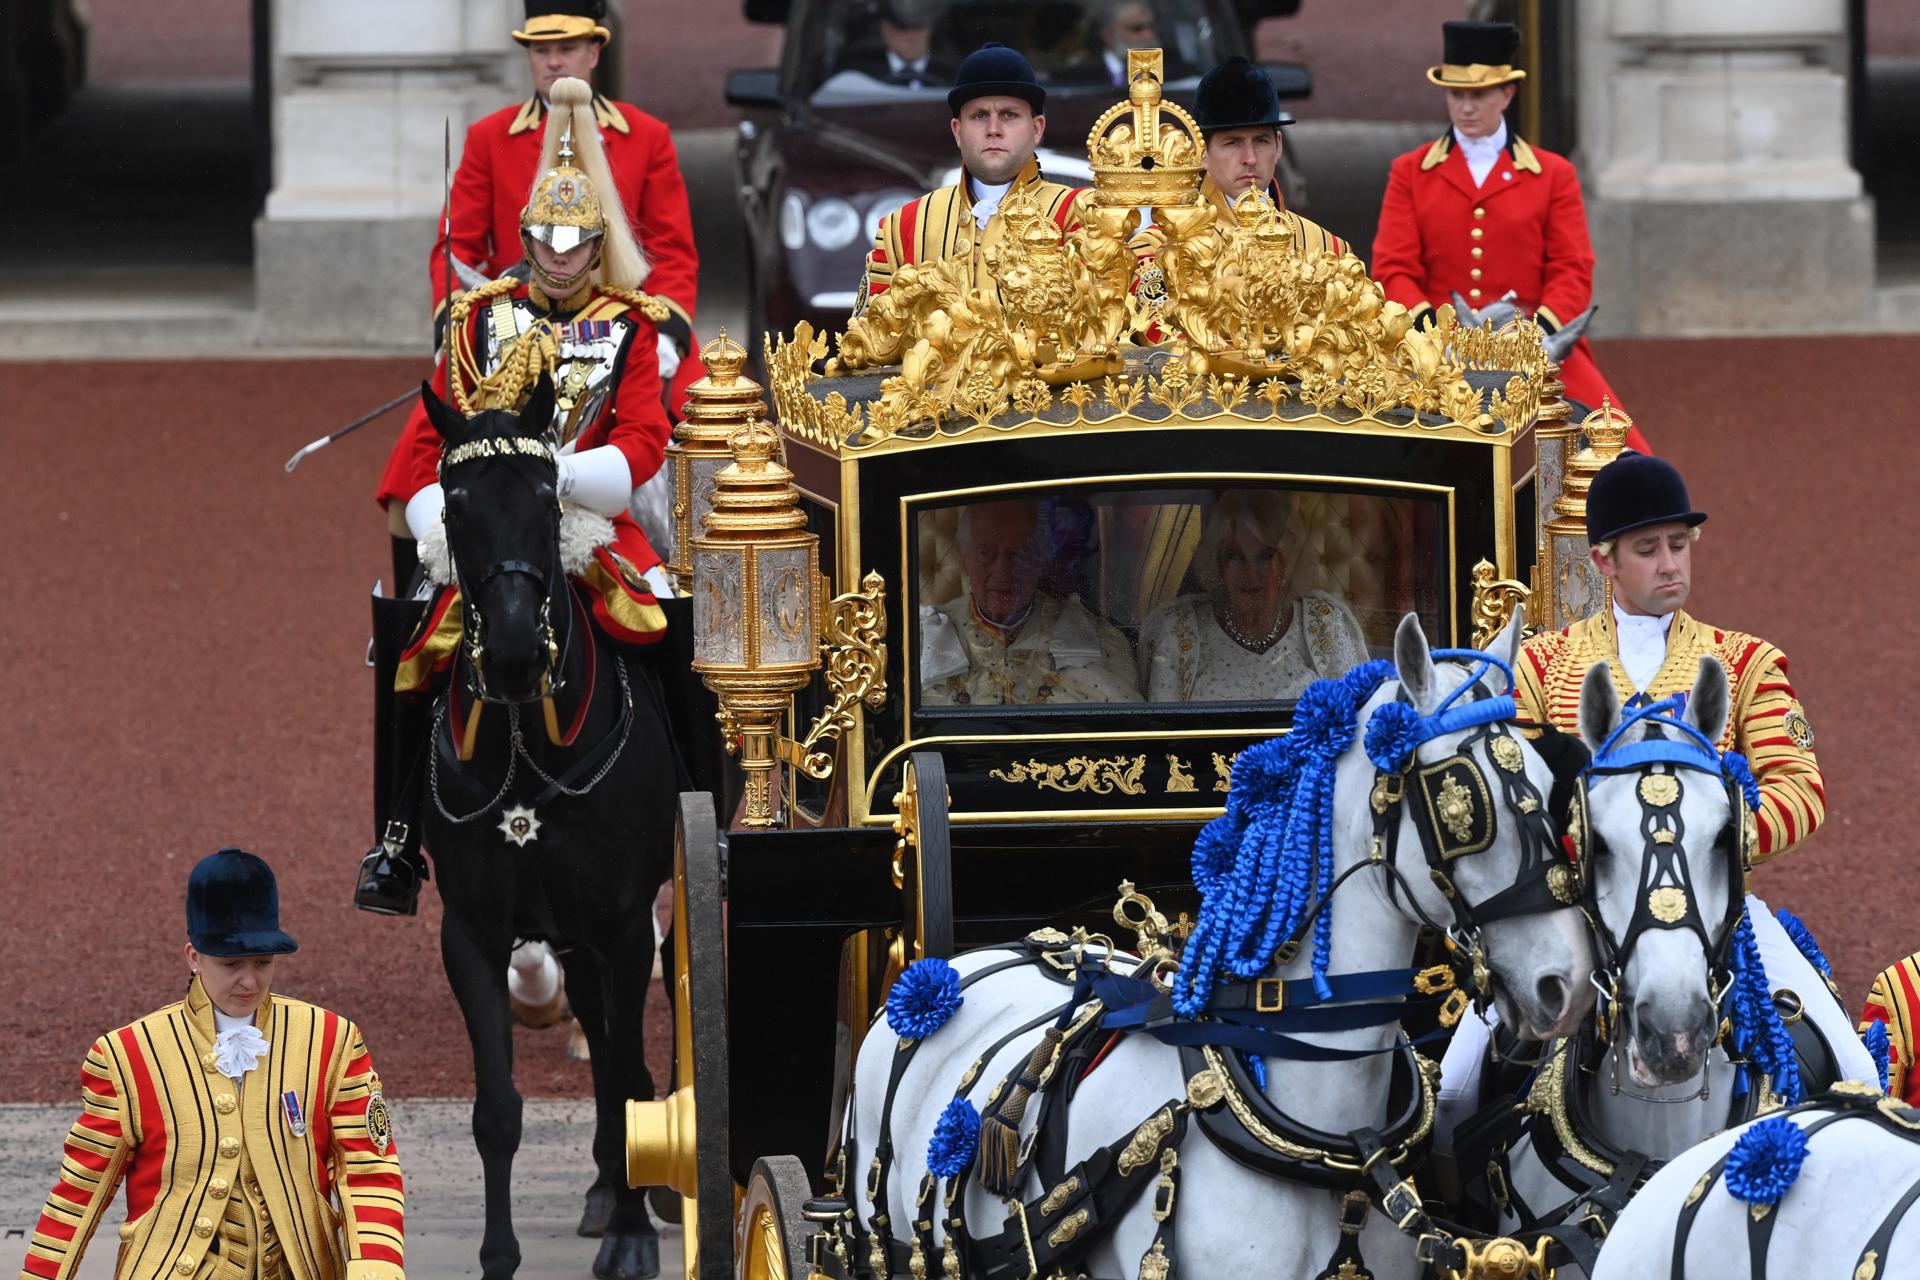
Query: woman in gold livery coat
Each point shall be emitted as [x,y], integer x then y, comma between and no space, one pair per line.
[248,1128]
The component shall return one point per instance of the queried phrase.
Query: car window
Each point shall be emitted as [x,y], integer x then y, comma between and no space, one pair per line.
[1219,593]
[878,50]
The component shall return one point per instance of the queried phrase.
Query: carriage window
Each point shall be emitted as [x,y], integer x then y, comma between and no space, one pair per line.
[1225,594]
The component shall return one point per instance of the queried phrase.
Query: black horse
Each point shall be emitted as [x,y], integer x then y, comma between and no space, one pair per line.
[534,839]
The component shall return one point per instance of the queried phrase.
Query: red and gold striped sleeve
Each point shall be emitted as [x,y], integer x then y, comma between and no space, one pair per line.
[96,1154]
[366,1167]
[1893,999]
[1771,730]
[1530,676]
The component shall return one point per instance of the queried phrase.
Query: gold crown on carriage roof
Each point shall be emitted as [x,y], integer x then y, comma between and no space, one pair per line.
[1145,151]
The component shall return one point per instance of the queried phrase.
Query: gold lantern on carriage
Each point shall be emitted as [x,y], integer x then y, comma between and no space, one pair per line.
[717,406]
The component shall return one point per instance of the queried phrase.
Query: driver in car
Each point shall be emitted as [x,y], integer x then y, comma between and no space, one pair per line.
[1004,642]
[998,121]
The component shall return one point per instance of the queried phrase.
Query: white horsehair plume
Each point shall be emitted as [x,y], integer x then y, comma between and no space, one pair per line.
[623,265]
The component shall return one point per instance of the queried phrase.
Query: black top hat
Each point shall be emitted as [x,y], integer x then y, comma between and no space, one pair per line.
[1477,55]
[1237,95]
[993,70]
[1633,491]
[233,907]
[564,20]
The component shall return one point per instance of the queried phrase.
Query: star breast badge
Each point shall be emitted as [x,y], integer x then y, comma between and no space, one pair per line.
[518,825]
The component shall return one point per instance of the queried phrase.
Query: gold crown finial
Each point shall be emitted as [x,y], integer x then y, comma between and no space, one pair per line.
[1606,430]
[1145,151]
[724,359]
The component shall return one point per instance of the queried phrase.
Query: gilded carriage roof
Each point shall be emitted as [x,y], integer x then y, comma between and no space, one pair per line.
[1196,319]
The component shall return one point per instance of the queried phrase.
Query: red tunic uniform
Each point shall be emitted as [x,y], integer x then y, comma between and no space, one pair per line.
[1524,230]
[496,174]
[620,336]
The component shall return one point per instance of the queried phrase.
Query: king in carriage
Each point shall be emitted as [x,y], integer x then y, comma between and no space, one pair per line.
[578,330]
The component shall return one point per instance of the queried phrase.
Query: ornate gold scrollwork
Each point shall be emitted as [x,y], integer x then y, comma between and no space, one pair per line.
[1144,1146]
[1494,603]
[1501,1258]
[1102,776]
[854,635]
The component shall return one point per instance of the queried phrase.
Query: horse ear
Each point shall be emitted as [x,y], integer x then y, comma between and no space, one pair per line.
[1707,704]
[448,421]
[538,410]
[1599,706]
[1413,661]
[1506,645]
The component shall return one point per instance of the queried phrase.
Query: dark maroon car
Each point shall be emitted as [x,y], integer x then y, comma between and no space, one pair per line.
[838,136]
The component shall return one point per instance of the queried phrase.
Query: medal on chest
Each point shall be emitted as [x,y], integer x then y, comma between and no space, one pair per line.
[296,1118]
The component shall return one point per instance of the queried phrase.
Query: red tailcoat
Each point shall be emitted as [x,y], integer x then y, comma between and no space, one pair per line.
[1524,230]
[634,420]
[496,175]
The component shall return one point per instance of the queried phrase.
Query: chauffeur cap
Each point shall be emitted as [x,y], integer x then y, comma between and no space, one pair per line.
[1237,95]
[1636,490]
[993,70]
[564,20]
[1477,55]
[233,907]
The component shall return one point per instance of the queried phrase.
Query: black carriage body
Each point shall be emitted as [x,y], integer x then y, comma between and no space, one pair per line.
[1050,806]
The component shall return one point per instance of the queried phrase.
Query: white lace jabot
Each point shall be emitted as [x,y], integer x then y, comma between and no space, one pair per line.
[237,1044]
[986,199]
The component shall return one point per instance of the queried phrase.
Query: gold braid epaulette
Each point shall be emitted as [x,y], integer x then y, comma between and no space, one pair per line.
[645,303]
[466,369]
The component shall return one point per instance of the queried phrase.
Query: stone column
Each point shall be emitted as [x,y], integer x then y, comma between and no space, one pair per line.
[361,89]
[1716,158]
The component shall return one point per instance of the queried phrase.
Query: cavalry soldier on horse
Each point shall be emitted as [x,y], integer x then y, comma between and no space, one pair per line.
[501,157]
[579,322]
[249,1128]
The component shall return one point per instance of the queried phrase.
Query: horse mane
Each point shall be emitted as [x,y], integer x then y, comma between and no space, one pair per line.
[582,532]
[1262,863]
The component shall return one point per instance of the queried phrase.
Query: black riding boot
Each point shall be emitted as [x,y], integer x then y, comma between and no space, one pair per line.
[391,872]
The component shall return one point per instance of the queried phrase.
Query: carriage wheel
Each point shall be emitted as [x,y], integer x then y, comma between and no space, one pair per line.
[771,1243]
[661,1136]
[923,859]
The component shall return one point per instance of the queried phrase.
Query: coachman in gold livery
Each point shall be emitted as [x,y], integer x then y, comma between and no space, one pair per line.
[237,1119]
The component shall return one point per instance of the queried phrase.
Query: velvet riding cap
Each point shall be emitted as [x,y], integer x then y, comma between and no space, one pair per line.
[233,907]
[1477,55]
[1636,490]
[995,71]
[1237,95]
[564,20]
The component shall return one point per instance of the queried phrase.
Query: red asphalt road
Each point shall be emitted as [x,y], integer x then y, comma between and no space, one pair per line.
[184,624]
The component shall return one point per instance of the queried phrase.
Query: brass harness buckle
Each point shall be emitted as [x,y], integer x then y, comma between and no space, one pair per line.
[1261,1001]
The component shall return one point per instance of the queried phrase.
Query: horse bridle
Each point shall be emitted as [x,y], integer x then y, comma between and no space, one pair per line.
[473,623]
[1665,897]
[1455,817]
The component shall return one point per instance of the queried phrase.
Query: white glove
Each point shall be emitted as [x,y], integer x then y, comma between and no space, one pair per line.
[598,480]
[669,358]
[424,508]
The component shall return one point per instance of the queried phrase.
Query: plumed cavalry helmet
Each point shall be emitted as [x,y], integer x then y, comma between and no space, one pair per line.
[574,200]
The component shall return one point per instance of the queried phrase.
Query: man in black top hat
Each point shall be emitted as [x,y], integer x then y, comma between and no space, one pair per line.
[999,117]
[250,1129]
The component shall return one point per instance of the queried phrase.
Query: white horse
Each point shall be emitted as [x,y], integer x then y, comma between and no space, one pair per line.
[1664,832]
[1847,1215]
[1232,1221]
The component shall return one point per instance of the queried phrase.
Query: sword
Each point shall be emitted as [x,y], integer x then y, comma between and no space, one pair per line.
[446,245]
[351,427]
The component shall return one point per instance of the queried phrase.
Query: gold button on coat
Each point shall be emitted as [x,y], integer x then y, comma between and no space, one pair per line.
[186,1265]
[207,1061]
[1475,273]
[229,1147]
[224,1104]
[218,1188]
[203,1226]
[1478,233]
[1473,293]
[1479,213]
[1478,253]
